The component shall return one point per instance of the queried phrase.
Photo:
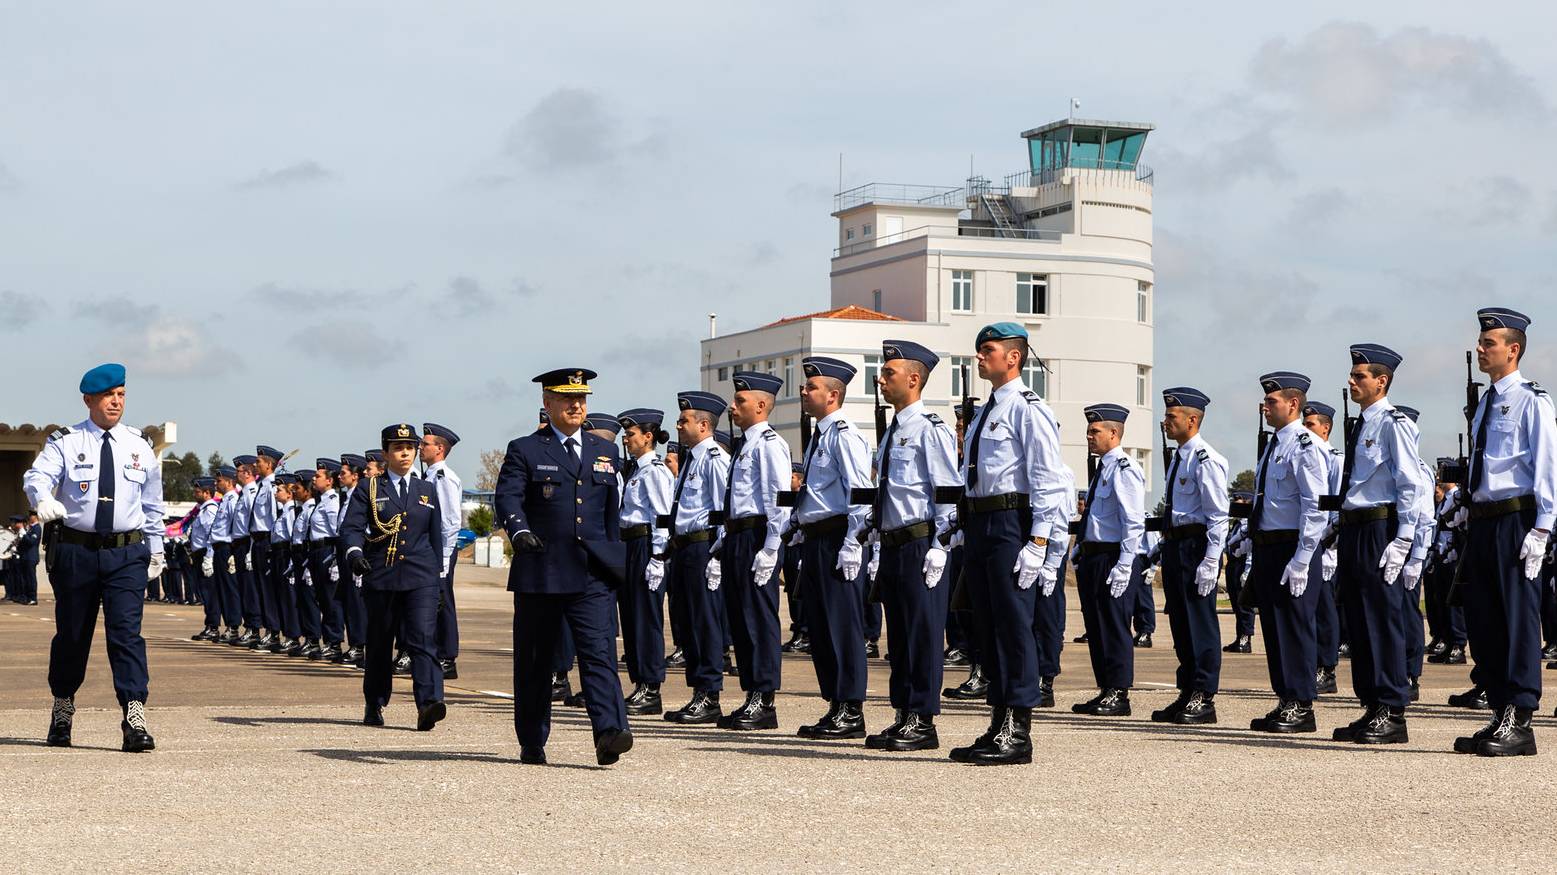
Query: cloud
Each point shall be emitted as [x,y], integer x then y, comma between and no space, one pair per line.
[575,129]
[1349,73]
[120,310]
[8,180]
[360,347]
[1221,163]
[153,343]
[498,390]
[468,297]
[301,173]
[17,310]
[1495,200]
[761,253]
[309,299]
[1318,209]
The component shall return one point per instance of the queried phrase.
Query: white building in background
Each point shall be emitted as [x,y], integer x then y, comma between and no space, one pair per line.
[1063,247]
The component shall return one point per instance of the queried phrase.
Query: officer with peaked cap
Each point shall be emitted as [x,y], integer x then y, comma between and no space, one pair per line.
[1285,527]
[255,633]
[228,588]
[1194,532]
[321,546]
[394,540]
[102,482]
[203,560]
[1329,624]
[1513,503]
[559,500]
[646,498]
[437,443]
[280,608]
[1112,527]
[799,640]
[1381,491]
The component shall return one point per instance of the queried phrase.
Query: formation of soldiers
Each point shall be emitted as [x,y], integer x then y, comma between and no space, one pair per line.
[959,531]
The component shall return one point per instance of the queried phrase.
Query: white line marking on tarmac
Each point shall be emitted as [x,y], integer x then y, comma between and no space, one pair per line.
[1155,684]
[500,695]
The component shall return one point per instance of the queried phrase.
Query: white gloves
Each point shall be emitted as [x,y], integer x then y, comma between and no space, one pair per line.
[335,571]
[850,557]
[1295,577]
[1205,576]
[1459,517]
[444,572]
[1533,552]
[153,570]
[1412,573]
[50,509]
[1047,577]
[1119,578]
[208,565]
[1394,558]
[308,578]
[715,575]
[1327,564]
[762,566]
[1028,564]
[232,565]
[875,560]
[655,574]
[934,566]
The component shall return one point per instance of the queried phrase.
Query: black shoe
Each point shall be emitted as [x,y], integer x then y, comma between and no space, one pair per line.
[756,713]
[808,730]
[997,718]
[804,644]
[203,635]
[645,700]
[1435,647]
[244,638]
[874,742]
[265,641]
[1011,745]
[1241,644]
[1079,639]
[373,715]
[311,651]
[1474,698]
[403,665]
[60,721]
[1143,640]
[361,661]
[1469,743]
[1286,718]
[1166,715]
[794,642]
[954,657]
[428,716]
[1415,690]
[532,756]
[1449,656]
[915,732]
[1512,737]
[1200,710]
[610,744]
[138,740]
[1385,726]
[704,708]
[291,647]
[1108,703]
[1344,651]
[1324,679]
[845,721]
[975,687]
[872,649]
[560,688]
[228,637]
[450,670]
[676,659]
[330,653]
[1549,651]
[576,700]
[1045,693]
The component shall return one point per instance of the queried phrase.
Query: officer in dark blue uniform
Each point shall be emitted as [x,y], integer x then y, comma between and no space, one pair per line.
[27,554]
[394,540]
[101,481]
[558,497]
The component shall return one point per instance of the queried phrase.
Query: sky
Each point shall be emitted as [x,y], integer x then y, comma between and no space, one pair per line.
[298,222]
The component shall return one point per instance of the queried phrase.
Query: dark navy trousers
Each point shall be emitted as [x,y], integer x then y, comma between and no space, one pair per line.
[1374,613]
[1049,622]
[752,611]
[248,589]
[1107,620]
[1327,618]
[1243,618]
[1003,613]
[448,620]
[1287,622]
[834,608]
[643,616]
[791,569]
[704,641]
[321,558]
[228,585]
[1144,618]
[273,593]
[348,596]
[1197,636]
[85,581]
[210,600]
[1446,622]
[1503,608]
[538,621]
[916,626]
[411,613]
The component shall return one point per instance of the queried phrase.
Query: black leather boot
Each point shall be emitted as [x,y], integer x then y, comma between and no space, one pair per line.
[703,709]
[1012,744]
[1288,717]
[137,739]
[560,688]
[60,720]
[1324,679]
[757,712]
[916,732]
[848,722]
[647,700]
[1386,726]
[1045,693]
[876,742]
[809,730]
[997,718]
[975,687]
[1200,710]
[1474,698]
[1512,737]
[1241,644]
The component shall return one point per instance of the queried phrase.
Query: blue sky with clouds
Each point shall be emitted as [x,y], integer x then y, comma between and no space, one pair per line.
[298,222]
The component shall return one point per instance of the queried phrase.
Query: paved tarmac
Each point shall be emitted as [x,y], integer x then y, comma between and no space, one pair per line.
[261,764]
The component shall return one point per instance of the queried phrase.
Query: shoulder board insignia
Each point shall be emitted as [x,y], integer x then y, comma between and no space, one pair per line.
[658,461]
[133,430]
[1202,455]
[934,418]
[1397,416]
[770,435]
[844,425]
[440,473]
[1124,463]
[59,433]
[1031,396]
[1535,387]
[1303,440]
[1335,452]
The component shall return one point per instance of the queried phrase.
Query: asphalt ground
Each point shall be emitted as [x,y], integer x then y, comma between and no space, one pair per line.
[261,764]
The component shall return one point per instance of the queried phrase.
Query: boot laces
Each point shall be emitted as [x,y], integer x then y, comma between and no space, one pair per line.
[135,715]
[64,710]
[1007,730]
[1506,723]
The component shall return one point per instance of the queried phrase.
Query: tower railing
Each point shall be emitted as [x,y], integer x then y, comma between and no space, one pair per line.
[1093,168]
[898,193]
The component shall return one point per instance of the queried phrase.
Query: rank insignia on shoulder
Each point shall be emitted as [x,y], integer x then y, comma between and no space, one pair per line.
[59,433]
[440,473]
[1031,396]
[1397,416]
[1124,463]
[1535,387]
[934,418]
[1202,455]
[1303,440]
[770,435]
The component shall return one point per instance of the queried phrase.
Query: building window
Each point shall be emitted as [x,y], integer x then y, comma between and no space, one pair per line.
[1143,302]
[768,368]
[789,378]
[1143,387]
[724,374]
[962,375]
[848,233]
[1035,374]
[866,229]
[875,300]
[962,291]
[1144,459]
[872,369]
[1032,294]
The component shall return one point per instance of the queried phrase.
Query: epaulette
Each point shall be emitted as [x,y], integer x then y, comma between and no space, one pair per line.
[934,418]
[1125,462]
[1535,387]
[1336,452]
[658,461]
[1397,415]
[844,425]
[1202,455]
[133,430]
[1304,440]
[1031,396]
[440,473]
[770,435]
[59,432]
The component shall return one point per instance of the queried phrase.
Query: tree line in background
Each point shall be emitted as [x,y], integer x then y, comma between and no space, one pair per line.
[179,473]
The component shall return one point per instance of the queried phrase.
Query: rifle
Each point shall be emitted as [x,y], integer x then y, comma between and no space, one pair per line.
[1459,472]
[1157,523]
[1242,510]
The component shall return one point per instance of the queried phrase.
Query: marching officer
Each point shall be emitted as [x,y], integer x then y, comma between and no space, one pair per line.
[1513,502]
[1194,532]
[394,539]
[558,499]
[102,481]
[645,499]
[1014,504]
[917,482]
[1111,530]
[1285,528]
[437,443]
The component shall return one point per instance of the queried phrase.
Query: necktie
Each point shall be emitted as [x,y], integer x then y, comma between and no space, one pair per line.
[681,483]
[1259,487]
[883,475]
[973,453]
[729,484]
[402,489]
[1351,456]
[572,445]
[1173,470]
[1478,460]
[107,479]
[1086,514]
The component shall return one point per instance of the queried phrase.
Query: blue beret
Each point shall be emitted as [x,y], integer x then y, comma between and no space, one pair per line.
[227,471]
[327,464]
[1184,396]
[604,422]
[568,381]
[643,417]
[1410,412]
[244,459]
[374,456]
[1106,413]
[1000,331]
[697,400]
[400,432]
[751,381]
[1284,380]
[205,482]
[437,430]
[822,366]
[272,452]
[102,378]
[1492,317]
[1319,408]
[907,349]
[1374,354]
[355,461]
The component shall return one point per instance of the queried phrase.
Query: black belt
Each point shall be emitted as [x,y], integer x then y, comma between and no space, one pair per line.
[697,537]
[1480,510]
[323,542]
[642,530]
[906,535]
[833,525]
[263,537]
[1367,515]
[94,541]
[1094,548]
[243,538]
[1184,532]
[992,503]
[745,523]
[1274,536]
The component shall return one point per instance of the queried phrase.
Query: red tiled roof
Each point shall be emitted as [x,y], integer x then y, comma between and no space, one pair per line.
[852,311]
